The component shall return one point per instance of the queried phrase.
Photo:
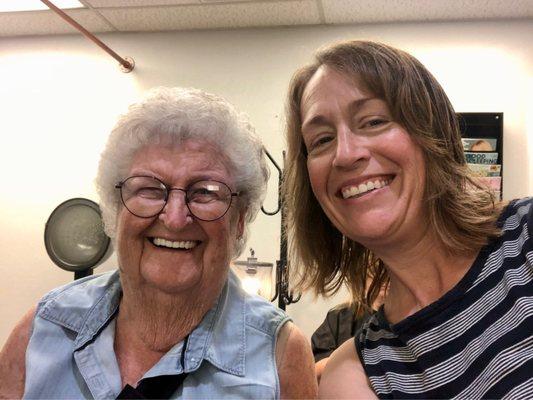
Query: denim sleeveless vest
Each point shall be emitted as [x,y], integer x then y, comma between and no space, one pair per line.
[230,354]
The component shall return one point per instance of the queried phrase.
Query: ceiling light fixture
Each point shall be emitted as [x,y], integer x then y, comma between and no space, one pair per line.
[35,5]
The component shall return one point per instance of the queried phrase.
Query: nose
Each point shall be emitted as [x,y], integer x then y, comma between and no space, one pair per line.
[352,149]
[176,215]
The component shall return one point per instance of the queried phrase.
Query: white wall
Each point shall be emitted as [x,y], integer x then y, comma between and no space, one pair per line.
[59,97]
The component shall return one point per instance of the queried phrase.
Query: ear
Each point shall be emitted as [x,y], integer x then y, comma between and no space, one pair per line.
[240,223]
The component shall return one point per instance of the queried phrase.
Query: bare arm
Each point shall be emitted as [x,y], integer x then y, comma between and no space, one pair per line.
[295,363]
[344,376]
[13,359]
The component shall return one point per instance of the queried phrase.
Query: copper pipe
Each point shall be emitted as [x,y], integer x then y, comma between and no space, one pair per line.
[127,65]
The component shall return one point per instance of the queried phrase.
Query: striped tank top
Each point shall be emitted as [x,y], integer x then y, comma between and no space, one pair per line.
[474,342]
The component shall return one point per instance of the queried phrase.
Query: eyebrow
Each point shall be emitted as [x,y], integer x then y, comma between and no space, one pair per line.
[192,178]
[320,120]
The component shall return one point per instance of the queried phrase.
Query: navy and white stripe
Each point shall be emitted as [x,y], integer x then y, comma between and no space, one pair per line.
[474,342]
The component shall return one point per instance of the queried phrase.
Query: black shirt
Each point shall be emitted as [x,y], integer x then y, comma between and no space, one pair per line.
[340,325]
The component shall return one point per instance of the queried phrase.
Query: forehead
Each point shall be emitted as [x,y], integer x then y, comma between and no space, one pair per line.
[328,85]
[190,159]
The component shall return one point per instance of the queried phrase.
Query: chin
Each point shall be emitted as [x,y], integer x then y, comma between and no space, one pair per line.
[172,282]
[368,237]
[369,229]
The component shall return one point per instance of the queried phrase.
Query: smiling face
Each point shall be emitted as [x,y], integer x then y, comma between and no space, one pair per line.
[173,251]
[365,170]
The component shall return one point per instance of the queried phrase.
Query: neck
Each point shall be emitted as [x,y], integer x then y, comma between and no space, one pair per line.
[150,323]
[158,319]
[421,271]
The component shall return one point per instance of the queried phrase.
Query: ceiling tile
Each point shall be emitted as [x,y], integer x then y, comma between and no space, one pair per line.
[49,23]
[212,16]
[164,15]
[368,11]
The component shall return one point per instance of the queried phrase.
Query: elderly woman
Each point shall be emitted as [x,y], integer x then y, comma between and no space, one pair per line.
[180,179]
[377,187]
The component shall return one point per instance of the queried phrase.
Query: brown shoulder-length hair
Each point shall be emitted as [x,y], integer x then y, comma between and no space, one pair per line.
[462,213]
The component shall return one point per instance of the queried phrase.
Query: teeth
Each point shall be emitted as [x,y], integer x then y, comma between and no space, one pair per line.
[187,244]
[364,187]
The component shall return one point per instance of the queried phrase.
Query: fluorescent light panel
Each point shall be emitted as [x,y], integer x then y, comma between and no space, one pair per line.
[32,5]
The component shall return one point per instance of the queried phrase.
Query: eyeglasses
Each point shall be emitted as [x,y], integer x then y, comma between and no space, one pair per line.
[146,197]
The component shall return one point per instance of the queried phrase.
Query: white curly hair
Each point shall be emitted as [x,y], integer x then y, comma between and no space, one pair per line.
[181,114]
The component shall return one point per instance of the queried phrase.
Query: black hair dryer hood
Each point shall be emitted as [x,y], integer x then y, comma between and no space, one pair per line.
[74,237]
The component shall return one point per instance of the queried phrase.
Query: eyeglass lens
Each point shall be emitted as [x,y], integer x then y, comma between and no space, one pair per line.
[146,197]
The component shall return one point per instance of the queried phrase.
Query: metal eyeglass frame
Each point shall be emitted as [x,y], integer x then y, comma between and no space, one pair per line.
[169,189]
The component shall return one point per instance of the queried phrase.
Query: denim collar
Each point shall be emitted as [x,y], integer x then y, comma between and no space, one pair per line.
[86,307]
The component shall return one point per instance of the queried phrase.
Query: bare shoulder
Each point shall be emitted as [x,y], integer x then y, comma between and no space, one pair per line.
[13,359]
[296,365]
[344,376]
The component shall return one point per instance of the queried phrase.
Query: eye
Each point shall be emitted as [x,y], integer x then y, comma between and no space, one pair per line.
[152,193]
[374,122]
[319,142]
[206,194]
[202,195]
